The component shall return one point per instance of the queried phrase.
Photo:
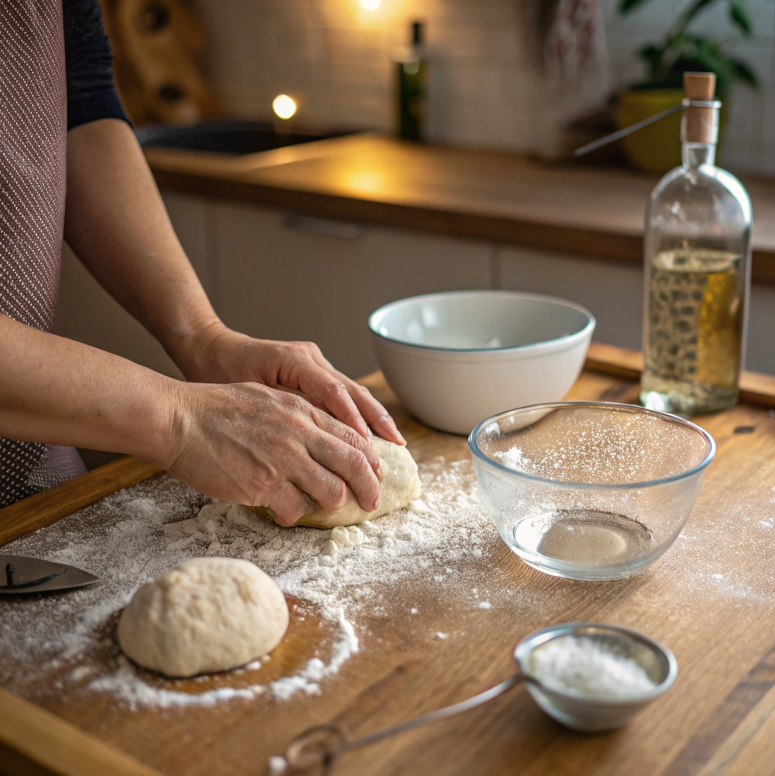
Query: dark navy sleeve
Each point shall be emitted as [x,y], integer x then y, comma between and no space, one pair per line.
[89,65]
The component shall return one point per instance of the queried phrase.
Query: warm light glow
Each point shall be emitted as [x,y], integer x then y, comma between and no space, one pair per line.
[284,106]
[365,181]
[370,5]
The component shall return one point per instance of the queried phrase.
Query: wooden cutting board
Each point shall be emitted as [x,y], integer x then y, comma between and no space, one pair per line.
[717,619]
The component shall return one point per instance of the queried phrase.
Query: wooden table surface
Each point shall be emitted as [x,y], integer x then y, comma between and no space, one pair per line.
[503,197]
[710,599]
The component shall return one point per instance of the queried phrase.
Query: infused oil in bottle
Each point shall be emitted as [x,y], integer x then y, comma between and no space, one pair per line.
[697,271]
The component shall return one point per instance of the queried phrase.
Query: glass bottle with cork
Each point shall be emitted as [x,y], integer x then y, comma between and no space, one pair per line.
[697,256]
[411,71]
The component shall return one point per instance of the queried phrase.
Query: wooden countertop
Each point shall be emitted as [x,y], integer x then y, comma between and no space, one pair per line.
[710,600]
[592,211]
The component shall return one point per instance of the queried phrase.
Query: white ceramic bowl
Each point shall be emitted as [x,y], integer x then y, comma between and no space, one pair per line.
[456,358]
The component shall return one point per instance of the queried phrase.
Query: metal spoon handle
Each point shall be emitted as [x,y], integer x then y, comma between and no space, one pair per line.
[595,144]
[434,716]
[321,745]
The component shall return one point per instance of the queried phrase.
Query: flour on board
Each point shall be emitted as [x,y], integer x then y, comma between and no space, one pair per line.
[138,533]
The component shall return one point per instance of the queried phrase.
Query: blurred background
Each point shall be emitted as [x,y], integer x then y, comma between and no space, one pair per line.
[320,158]
[506,74]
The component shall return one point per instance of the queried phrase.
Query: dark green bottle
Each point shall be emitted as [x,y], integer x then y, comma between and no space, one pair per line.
[412,68]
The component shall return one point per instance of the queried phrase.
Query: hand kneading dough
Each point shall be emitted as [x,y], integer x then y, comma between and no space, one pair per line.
[400,485]
[208,614]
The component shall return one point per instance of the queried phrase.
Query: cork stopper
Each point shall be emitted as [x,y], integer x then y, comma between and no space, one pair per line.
[700,86]
[700,125]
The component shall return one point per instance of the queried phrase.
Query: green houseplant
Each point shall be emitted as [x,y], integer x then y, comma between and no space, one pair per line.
[657,148]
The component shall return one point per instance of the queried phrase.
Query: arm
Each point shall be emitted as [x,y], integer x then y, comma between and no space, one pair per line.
[244,443]
[61,392]
[117,226]
[116,223]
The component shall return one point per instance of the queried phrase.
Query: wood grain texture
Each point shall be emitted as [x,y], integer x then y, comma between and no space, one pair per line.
[34,742]
[589,211]
[755,388]
[53,504]
[718,719]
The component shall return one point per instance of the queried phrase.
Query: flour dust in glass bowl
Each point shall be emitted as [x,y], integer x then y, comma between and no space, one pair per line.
[456,357]
[589,490]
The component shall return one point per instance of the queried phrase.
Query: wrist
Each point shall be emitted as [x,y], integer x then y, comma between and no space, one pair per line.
[192,347]
[167,424]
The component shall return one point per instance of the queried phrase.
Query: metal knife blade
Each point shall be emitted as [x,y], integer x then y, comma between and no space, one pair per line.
[20,576]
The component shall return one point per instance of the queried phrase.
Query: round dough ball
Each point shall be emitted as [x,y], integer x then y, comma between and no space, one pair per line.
[400,486]
[208,614]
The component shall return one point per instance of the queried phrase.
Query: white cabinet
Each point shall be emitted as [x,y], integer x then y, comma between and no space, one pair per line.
[88,314]
[193,219]
[761,330]
[612,292]
[283,276]
[280,275]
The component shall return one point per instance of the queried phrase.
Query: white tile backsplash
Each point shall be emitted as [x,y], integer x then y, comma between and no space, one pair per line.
[334,57]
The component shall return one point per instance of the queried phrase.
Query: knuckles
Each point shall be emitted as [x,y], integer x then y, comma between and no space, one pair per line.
[337,492]
[355,440]
[335,389]
[357,462]
[302,349]
[294,404]
[264,480]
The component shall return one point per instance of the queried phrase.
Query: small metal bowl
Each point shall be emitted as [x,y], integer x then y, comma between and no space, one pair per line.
[319,746]
[592,715]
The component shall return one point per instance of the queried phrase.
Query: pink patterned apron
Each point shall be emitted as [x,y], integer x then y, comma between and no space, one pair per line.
[33,144]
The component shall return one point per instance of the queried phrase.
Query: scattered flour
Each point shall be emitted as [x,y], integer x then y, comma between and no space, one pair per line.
[138,533]
[514,458]
[276,766]
[128,685]
[585,445]
[724,553]
[311,675]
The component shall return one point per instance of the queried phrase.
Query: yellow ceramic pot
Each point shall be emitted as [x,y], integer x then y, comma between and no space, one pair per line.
[656,148]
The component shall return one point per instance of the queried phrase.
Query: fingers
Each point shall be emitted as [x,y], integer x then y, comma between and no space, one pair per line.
[323,386]
[288,503]
[327,392]
[334,427]
[323,485]
[368,407]
[351,465]
[373,412]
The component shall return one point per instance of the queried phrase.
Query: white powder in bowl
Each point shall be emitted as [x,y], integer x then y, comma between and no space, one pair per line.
[581,666]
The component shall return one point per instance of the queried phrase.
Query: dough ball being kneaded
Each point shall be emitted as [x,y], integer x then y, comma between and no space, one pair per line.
[208,614]
[400,486]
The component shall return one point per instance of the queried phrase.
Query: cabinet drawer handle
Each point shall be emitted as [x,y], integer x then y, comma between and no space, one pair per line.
[323,227]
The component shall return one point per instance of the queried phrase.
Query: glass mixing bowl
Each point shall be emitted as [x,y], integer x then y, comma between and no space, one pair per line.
[589,490]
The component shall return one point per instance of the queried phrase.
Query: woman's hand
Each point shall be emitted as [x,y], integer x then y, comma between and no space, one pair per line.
[221,355]
[257,446]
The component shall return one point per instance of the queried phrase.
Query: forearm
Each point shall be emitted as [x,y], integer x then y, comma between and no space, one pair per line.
[116,223]
[57,391]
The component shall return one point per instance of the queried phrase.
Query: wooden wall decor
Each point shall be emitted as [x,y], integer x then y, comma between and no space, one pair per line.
[158,47]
